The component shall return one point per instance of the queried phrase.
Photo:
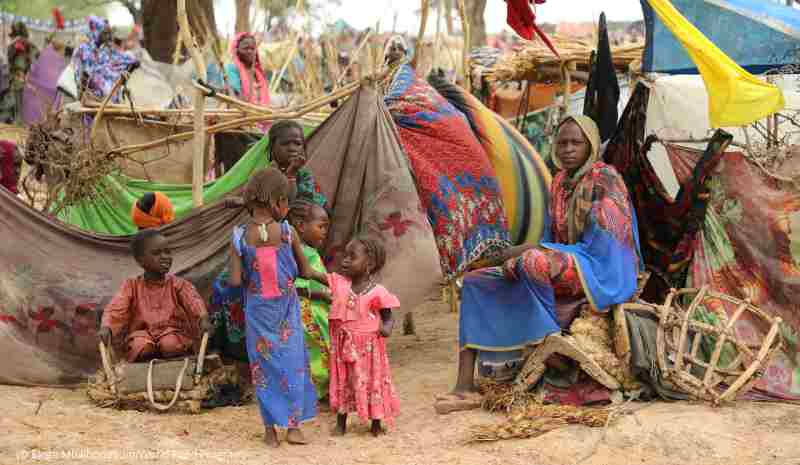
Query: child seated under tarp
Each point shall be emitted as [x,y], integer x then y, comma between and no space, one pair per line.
[160,314]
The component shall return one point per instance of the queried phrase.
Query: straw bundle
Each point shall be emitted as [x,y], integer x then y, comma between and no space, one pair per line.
[536,420]
[527,62]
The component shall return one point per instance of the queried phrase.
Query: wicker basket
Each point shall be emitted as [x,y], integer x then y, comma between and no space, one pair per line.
[681,335]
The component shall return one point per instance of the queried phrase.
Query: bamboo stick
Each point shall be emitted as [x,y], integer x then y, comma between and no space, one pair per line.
[237,123]
[698,299]
[295,46]
[199,105]
[423,22]
[356,54]
[101,110]
[437,41]
[462,10]
[764,355]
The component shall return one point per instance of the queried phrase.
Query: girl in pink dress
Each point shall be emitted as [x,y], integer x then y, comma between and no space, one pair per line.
[360,320]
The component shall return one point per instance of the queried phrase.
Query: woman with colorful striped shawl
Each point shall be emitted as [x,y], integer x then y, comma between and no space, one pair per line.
[592,253]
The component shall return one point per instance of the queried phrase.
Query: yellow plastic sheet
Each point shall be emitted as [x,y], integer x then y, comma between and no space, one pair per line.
[736,97]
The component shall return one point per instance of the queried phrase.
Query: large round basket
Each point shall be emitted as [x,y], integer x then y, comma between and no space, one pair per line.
[686,336]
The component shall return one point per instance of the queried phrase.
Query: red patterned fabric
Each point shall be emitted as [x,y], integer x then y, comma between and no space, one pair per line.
[455,180]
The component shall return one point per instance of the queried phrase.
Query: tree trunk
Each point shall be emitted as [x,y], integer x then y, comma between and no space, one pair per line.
[448,16]
[243,15]
[160,24]
[475,12]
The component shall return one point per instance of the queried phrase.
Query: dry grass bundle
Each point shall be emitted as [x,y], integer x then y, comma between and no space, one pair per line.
[536,420]
[74,170]
[72,175]
[528,62]
[501,397]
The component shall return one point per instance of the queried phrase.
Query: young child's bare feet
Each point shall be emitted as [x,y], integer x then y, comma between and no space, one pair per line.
[296,437]
[376,429]
[271,437]
[341,425]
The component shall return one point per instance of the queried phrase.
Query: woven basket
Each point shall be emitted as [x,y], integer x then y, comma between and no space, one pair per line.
[681,337]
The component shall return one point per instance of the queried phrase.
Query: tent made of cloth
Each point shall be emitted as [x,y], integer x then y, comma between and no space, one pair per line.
[725,222]
[758,35]
[57,277]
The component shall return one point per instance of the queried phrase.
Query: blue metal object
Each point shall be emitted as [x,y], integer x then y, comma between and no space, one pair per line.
[756,34]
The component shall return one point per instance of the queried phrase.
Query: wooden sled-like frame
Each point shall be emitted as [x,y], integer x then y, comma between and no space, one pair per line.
[679,339]
[158,382]
[607,360]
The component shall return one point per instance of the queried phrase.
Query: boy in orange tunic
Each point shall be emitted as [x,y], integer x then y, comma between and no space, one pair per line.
[160,313]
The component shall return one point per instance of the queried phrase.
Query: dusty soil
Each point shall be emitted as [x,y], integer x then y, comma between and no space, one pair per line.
[61,426]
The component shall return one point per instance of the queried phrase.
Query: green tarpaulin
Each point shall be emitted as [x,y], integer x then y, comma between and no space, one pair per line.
[112,214]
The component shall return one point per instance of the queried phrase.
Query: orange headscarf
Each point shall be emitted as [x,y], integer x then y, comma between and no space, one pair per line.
[162,213]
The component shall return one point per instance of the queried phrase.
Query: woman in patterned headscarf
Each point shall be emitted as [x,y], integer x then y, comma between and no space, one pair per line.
[98,64]
[592,253]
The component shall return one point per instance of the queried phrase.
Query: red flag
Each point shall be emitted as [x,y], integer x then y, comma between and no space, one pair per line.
[58,18]
[523,21]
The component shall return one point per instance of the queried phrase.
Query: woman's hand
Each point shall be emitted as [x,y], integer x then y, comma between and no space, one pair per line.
[387,323]
[510,269]
[205,323]
[386,328]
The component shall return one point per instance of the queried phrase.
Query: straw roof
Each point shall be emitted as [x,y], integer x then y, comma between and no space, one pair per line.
[527,62]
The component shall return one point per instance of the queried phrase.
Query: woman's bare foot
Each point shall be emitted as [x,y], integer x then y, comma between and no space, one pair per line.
[341,425]
[376,429]
[457,401]
[296,437]
[459,394]
[271,437]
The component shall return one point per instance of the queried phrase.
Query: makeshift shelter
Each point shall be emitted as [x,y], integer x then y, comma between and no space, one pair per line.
[59,277]
[758,35]
[711,218]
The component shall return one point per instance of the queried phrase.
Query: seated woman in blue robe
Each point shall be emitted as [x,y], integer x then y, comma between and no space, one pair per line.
[592,253]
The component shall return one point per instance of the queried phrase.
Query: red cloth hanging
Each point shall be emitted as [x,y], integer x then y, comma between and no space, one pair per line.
[522,20]
[58,19]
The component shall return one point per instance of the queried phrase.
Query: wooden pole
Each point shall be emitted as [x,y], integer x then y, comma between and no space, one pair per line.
[437,43]
[198,164]
[300,8]
[425,9]
[462,10]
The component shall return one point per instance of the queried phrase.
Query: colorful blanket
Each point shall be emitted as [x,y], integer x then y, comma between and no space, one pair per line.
[455,180]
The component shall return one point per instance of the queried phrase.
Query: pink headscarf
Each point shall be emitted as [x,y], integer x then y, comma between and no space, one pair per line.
[244,75]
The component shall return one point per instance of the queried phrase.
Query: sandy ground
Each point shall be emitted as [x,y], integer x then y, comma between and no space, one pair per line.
[69,430]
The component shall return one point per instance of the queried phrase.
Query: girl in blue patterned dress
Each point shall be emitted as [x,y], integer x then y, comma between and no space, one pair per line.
[266,258]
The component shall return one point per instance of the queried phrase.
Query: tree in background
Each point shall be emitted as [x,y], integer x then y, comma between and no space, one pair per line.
[41,9]
[475,10]
[134,7]
[280,9]
[160,25]
[243,15]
